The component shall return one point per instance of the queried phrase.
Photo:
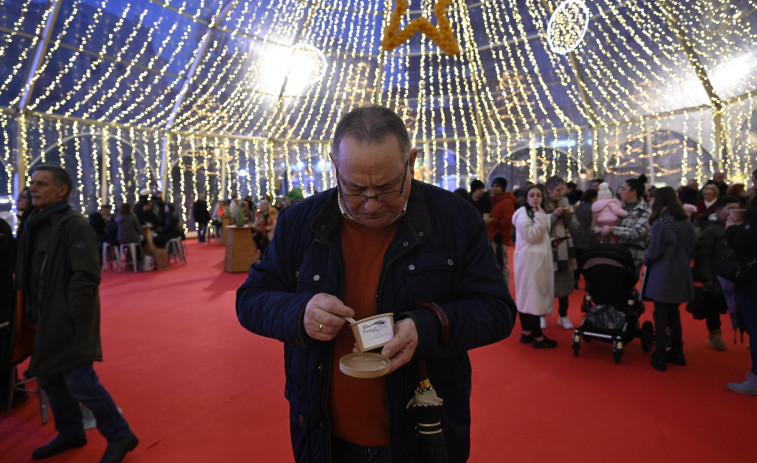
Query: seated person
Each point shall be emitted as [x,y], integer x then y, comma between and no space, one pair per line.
[97,221]
[111,231]
[170,228]
[146,216]
[128,228]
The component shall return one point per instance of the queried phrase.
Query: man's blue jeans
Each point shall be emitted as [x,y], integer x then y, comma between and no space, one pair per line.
[65,390]
[347,452]
[202,228]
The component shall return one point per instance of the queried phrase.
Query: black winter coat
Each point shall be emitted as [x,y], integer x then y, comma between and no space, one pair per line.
[743,240]
[709,248]
[67,298]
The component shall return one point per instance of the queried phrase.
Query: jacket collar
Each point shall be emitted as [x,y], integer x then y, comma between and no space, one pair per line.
[38,218]
[415,221]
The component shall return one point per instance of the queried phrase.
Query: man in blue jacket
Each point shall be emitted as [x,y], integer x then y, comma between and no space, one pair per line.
[379,242]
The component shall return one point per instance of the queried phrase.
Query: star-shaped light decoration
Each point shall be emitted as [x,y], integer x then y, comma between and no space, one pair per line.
[442,36]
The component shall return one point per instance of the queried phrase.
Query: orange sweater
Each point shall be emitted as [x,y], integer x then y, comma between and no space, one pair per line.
[357,406]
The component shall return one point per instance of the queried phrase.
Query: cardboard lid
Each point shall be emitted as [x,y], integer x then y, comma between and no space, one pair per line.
[364,365]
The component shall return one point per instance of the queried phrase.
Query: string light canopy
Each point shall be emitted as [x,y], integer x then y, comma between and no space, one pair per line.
[181,95]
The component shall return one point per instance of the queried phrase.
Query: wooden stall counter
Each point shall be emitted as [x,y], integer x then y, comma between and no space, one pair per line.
[241,251]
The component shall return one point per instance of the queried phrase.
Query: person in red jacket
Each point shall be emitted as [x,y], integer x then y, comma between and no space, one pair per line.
[500,228]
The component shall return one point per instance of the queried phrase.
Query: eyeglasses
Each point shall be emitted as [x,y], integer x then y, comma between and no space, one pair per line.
[362,199]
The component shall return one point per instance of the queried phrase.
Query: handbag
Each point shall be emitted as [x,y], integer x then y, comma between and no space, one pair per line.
[644,281]
[737,268]
[708,299]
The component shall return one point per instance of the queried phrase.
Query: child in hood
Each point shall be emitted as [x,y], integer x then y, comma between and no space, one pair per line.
[607,209]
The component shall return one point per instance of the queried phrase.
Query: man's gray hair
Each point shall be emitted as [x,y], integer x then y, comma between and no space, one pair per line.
[371,124]
[60,177]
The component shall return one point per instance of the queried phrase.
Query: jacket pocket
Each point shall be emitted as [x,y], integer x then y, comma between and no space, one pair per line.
[432,273]
[311,277]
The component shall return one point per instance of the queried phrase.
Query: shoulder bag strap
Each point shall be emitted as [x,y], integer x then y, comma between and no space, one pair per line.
[670,225]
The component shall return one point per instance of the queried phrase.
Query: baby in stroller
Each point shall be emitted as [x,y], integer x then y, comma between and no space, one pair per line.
[612,306]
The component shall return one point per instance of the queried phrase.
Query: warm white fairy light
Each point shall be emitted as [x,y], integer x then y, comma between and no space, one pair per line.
[96,152]
[7,40]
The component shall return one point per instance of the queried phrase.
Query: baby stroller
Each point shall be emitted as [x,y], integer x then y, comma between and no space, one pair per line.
[612,307]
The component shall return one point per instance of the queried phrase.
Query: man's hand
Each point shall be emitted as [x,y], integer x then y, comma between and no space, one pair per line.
[402,347]
[606,230]
[324,316]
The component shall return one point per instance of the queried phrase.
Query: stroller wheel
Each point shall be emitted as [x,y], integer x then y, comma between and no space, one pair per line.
[647,336]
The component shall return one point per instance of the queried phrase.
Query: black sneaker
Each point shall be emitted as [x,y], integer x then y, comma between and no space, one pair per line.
[658,362]
[544,343]
[526,338]
[676,358]
[117,450]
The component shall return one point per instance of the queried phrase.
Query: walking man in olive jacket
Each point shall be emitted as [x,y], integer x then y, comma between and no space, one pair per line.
[59,273]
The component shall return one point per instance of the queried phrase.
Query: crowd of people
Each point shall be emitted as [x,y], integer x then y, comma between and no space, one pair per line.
[261,216]
[150,210]
[126,225]
[678,235]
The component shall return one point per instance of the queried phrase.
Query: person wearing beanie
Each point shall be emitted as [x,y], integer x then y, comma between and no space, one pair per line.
[480,200]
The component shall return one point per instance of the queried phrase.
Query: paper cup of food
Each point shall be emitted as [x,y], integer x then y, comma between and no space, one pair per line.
[373,332]
[737,215]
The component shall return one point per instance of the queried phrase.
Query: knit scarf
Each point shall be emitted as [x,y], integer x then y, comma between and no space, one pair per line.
[564,254]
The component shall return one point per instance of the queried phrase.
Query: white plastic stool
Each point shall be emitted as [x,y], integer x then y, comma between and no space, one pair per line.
[133,251]
[109,255]
[176,250]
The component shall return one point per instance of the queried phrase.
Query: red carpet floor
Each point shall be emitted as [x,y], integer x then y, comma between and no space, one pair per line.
[196,387]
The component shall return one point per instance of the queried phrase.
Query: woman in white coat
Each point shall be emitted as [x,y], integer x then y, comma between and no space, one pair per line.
[533,269]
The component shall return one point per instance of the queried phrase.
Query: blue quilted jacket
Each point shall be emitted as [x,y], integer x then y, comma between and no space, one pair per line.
[440,254]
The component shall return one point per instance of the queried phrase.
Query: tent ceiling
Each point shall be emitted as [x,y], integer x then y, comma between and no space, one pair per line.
[226,68]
